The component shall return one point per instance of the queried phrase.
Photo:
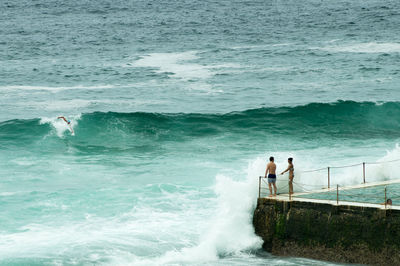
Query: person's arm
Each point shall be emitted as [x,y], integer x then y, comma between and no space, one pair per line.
[287,169]
[63,118]
[266,171]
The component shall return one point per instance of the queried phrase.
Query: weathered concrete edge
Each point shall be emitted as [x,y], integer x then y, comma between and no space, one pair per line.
[340,233]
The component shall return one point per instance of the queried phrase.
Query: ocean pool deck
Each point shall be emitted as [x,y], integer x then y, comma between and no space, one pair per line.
[372,194]
[347,224]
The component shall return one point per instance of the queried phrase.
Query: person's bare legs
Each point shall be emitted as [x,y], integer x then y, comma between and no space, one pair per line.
[274,188]
[291,186]
[270,189]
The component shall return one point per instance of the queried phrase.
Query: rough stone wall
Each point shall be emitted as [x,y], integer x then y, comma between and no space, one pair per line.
[348,234]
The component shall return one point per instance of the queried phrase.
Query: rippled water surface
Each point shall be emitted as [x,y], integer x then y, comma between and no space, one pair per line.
[176,106]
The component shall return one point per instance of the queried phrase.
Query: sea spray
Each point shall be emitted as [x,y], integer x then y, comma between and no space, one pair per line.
[230,230]
[59,125]
[385,168]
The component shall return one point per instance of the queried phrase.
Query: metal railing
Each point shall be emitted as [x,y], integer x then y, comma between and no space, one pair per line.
[342,193]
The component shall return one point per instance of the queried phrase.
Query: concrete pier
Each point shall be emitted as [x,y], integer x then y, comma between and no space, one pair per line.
[349,232]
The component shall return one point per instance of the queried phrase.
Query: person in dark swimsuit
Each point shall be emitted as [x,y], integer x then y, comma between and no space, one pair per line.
[271,173]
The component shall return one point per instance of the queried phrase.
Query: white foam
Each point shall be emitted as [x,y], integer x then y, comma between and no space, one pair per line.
[230,231]
[77,104]
[63,105]
[248,69]
[59,125]
[179,65]
[56,89]
[24,161]
[175,63]
[7,194]
[260,47]
[371,47]
[387,167]
[121,237]
[381,170]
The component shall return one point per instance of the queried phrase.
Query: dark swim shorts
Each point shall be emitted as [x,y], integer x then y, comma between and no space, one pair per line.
[271,178]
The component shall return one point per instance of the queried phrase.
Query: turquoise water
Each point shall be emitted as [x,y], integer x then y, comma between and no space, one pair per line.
[176,106]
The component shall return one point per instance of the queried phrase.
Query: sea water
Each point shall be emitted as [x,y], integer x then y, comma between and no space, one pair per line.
[176,107]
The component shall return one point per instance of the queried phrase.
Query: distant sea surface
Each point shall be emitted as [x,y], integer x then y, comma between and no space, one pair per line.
[176,106]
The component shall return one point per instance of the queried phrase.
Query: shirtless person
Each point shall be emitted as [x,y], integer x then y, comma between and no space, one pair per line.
[271,168]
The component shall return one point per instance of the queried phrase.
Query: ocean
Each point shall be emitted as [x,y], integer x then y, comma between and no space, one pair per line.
[176,107]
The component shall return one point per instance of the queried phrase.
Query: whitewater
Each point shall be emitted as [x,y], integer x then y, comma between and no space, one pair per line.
[176,108]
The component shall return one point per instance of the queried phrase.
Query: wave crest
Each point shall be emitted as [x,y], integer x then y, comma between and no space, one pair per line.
[343,119]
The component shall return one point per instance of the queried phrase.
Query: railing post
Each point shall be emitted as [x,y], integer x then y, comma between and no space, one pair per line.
[385,197]
[337,194]
[259,186]
[329,178]
[364,173]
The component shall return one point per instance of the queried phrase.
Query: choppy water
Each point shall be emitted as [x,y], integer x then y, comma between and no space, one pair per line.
[175,106]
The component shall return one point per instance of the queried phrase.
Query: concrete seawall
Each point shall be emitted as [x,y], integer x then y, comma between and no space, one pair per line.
[338,233]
